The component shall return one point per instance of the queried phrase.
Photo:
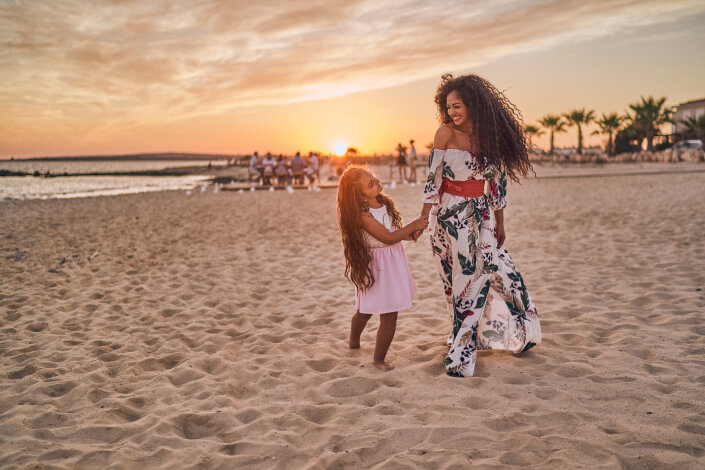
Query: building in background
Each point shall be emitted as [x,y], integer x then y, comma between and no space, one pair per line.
[694,109]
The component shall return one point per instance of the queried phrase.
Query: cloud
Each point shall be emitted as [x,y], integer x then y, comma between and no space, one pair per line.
[130,62]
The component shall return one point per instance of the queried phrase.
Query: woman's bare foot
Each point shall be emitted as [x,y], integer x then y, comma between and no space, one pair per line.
[353,344]
[382,365]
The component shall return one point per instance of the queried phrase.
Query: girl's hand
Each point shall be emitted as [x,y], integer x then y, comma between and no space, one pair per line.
[420,224]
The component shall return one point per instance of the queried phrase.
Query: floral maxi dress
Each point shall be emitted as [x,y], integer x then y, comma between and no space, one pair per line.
[488,303]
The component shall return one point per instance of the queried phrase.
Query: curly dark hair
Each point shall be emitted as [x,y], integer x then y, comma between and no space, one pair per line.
[498,129]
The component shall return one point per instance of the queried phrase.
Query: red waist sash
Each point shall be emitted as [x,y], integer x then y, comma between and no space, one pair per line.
[466,189]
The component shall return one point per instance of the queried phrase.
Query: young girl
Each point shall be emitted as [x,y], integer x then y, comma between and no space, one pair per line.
[374,257]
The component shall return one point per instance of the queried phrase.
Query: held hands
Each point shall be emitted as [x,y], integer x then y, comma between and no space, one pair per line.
[419,225]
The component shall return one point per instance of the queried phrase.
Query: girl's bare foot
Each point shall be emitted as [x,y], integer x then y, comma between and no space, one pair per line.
[359,320]
[382,365]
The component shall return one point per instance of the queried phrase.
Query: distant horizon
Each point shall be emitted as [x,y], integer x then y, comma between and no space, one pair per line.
[220,78]
[423,152]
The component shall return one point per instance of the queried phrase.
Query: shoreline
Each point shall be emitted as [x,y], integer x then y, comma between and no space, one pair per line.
[175,171]
[234,180]
[242,167]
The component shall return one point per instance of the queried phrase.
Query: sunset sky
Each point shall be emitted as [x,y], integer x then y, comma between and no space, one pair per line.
[232,77]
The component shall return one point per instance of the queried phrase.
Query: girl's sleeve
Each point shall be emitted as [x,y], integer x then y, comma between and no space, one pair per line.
[435,176]
[498,191]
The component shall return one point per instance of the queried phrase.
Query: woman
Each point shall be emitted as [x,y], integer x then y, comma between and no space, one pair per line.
[480,143]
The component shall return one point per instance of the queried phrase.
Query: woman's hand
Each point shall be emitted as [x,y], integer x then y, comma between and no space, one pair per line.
[499,227]
[501,235]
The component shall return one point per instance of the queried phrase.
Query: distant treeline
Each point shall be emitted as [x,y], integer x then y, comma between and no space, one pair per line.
[625,133]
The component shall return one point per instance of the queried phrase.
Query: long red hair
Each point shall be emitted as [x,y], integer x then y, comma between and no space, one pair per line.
[351,204]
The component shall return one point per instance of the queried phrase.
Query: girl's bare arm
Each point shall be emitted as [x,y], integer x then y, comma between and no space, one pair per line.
[381,233]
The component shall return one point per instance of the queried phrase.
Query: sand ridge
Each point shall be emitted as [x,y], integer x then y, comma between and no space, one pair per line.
[207,331]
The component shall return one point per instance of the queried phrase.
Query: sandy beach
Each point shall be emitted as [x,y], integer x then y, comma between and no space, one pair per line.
[165,330]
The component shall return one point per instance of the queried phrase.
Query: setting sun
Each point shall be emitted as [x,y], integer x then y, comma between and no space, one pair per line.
[340,148]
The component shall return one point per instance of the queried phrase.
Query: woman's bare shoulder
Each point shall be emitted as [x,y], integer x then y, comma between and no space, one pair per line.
[443,136]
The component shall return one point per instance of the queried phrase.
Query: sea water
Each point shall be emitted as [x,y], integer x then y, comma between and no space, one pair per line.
[33,187]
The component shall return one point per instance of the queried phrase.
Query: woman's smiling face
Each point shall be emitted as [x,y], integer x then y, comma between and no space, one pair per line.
[456,109]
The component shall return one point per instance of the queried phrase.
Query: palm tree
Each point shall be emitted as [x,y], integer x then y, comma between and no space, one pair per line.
[649,116]
[695,126]
[555,124]
[576,118]
[532,131]
[609,124]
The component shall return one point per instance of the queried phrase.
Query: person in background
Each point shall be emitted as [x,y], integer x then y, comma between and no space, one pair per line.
[314,171]
[412,161]
[297,168]
[254,170]
[281,171]
[268,169]
[401,162]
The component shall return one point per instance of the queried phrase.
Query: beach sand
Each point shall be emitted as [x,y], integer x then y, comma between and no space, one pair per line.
[168,331]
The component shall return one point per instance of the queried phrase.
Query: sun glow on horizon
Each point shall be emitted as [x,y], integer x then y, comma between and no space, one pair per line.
[339,148]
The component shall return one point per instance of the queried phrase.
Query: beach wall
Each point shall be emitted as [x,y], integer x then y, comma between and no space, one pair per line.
[666,156]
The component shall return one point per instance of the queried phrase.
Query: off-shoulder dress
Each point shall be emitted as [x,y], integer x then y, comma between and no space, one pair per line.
[488,302]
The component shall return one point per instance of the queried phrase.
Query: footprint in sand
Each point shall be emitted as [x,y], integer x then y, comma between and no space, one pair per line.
[21,373]
[249,415]
[321,365]
[351,387]
[59,389]
[318,414]
[37,326]
[573,370]
[183,376]
[193,426]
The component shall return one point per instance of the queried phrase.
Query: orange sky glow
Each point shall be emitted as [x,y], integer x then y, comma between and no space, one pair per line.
[231,77]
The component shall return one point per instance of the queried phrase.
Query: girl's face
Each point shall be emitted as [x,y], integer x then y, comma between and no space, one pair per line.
[370,186]
[456,109]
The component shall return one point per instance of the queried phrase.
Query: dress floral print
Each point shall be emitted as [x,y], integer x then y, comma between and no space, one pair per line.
[489,305]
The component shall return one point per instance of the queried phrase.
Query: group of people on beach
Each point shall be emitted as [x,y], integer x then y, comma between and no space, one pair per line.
[282,171]
[479,146]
